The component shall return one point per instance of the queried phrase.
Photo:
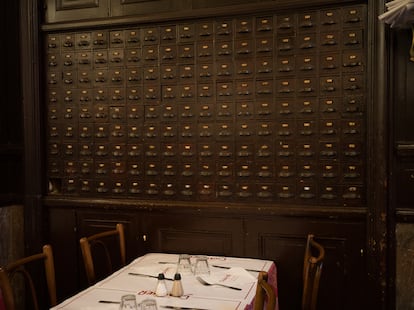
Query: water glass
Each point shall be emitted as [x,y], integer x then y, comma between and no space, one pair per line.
[128,302]
[184,264]
[201,266]
[148,304]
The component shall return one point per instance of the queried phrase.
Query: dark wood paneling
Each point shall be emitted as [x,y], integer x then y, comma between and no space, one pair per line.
[194,233]
[61,10]
[139,7]
[89,223]
[404,92]
[403,115]
[283,240]
[62,222]
[186,229]
[77,4]
[11,120]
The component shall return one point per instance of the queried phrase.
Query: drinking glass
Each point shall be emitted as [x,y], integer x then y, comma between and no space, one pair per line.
[148,304]
[128,302]
[184,264]
[201,266]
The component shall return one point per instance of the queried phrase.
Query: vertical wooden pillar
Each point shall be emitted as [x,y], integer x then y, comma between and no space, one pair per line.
[31,89]
[377,144]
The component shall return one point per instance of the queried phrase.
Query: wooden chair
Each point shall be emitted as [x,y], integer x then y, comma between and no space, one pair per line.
[8,275]
[312,269]
[265,295]
[93,244]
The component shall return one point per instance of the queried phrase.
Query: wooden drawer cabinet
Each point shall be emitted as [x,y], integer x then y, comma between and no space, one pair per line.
[222,82]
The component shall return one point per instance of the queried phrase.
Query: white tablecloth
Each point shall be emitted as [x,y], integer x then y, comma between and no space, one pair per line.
[195,295]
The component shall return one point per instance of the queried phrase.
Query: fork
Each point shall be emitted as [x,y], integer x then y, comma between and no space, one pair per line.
[202,281]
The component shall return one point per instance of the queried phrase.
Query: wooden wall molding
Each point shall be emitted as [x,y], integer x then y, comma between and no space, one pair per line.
[189,13]
[79,4]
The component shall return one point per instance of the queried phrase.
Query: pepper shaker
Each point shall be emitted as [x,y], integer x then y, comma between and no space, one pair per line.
[177,288]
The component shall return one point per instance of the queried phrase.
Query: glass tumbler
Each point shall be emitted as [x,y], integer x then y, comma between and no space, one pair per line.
[128,302]
[201,266]
[184,264]
[148,304]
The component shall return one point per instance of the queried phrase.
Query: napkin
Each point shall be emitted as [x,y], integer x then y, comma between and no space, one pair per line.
[235,276]
[399,14]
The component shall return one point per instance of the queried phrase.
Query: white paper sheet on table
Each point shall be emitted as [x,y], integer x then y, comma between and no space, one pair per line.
[236,277]
[90,301]
[248,264]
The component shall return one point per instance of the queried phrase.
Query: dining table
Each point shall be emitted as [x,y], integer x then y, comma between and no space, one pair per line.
[230,284]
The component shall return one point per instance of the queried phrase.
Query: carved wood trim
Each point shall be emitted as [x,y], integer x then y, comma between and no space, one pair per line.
[191,13]
[76,4]
[136,1]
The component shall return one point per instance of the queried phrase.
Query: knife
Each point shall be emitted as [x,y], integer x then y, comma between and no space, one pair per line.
[109,302]
[146,275]
[225,267]
[182,308]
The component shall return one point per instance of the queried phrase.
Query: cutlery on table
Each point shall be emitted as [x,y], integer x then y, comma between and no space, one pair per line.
[225,267]
[182,308]
[146,275]
[109,302]
[202,281]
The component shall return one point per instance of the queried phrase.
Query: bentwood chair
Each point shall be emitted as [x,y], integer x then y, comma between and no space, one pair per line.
[96,249]
[312,269]
[10,280]
[265,295]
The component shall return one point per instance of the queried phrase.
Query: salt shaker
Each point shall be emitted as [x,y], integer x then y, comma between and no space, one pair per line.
[161,289]
[177,288]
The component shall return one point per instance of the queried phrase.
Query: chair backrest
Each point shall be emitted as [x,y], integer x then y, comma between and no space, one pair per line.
[312,269]
[265,294]
[90,245]
[8,274]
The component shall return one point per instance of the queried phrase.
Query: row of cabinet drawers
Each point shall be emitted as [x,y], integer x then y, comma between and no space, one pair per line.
[311,192]
[239,27]
[240,131]
[330,65]
[65,108]
[209,169]
[250,89]
[264,67]
[208,52]
[344,150]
